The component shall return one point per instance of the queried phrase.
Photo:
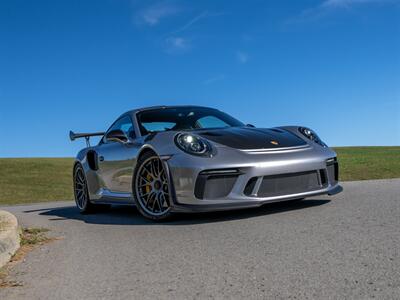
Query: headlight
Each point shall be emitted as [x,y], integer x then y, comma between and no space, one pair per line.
[311,135]
[193,144]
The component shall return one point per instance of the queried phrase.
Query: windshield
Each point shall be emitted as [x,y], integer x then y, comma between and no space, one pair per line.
[184,118]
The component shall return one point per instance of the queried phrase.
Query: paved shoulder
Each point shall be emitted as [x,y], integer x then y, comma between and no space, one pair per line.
[341,247]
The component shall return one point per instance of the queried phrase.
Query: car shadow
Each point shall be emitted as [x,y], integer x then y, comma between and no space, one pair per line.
[129,215]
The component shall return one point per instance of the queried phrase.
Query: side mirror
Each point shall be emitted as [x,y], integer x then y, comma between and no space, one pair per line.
[117,135]
[250,125]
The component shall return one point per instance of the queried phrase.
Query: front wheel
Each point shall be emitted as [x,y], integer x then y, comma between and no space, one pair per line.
[150,188]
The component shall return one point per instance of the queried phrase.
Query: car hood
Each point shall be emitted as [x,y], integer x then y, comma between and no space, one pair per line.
[246,138]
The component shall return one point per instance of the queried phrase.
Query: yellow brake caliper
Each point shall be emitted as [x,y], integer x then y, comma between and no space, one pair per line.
[148,186]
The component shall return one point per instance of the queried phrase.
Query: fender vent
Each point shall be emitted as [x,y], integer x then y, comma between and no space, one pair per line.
[92,160]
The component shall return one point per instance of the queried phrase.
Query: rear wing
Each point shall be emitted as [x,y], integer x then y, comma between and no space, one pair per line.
[73,136]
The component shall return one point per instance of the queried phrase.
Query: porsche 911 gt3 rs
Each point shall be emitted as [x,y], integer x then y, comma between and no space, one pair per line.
[170,159]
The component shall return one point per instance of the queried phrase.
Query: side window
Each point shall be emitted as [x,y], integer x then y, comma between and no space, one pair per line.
[158,126]
[124,124]
[210,122]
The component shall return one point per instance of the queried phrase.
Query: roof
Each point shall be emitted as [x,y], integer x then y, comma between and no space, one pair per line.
[134,111]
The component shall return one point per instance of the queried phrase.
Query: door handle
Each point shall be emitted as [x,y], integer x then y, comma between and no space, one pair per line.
[101,158]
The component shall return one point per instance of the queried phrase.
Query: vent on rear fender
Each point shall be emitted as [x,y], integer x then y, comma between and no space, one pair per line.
[92,160]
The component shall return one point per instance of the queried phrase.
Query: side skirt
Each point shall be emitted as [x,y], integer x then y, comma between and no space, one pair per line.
[108,197]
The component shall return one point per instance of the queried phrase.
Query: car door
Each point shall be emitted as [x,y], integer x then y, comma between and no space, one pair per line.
[116,159]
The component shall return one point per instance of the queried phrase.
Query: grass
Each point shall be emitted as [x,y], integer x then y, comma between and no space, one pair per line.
[33,236]
[362,163]
[28,180]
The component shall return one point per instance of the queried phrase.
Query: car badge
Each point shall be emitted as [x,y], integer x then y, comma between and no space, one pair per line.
[274,143]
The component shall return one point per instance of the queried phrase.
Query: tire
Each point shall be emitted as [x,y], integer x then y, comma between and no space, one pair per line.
[151,188]
[81,192]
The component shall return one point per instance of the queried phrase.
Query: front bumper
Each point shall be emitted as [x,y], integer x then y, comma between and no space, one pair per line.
[251,180]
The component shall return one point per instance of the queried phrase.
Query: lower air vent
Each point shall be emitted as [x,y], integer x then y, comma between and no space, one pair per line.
[250,186]
[213,184]
[287,184]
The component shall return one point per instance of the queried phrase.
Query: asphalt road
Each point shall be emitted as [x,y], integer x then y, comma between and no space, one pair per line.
[341,247]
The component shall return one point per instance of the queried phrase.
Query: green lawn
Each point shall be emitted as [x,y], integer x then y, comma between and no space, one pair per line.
[27,180]
[362,163]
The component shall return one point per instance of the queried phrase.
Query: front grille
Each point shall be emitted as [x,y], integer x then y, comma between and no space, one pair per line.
[287,184]
[214,184]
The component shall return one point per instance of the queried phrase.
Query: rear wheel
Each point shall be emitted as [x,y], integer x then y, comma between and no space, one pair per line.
[151,188]
[81,192]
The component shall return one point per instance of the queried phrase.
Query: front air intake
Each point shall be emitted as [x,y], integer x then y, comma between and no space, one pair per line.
[332,167]
[214,184]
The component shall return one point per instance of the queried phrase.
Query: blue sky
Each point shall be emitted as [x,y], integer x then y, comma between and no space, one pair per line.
[332,65]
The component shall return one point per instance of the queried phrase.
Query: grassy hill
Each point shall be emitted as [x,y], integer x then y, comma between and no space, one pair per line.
[27,180]
[362,163]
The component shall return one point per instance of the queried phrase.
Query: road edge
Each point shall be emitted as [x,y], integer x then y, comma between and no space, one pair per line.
[9,236]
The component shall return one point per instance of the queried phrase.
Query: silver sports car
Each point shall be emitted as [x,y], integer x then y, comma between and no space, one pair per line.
[170,159]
